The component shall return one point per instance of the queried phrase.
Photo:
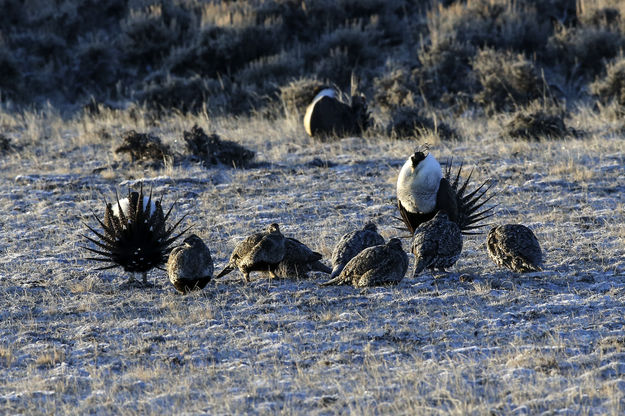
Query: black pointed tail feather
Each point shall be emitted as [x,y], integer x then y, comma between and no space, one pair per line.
[225,271]
[470,205]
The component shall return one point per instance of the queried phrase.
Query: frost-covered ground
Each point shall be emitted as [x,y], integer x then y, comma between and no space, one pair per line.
[477,341]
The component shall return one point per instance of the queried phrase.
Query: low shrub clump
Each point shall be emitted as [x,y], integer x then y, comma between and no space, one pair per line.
[409,122]
[507,80]
[612,86]
[297,94]
[213,150]
[538,121]
[143,147]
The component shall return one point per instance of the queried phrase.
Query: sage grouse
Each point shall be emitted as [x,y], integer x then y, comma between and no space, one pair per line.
[134,235]
[353,243]
[326,115]
[258,252]
[298,260]
[422,191]
[436,244]
[190,265]
[384,264]
[514,246]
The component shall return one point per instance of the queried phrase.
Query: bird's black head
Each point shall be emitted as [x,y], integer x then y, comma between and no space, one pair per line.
[370,226]
[394,242]
[192,240]
[417,157]
[273,228]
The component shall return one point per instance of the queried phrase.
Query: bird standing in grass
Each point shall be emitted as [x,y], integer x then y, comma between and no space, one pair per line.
[422,191]
[516,247]
[258,252]
[379,265]
[190,265]
[298,260]
[134,235]
[436,244]
[353,243]
[326,115]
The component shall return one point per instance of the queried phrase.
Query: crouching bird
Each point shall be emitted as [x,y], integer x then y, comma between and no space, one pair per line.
[351,244]
[190,265]
[422,191]
[260,251]
[298,261]
[134,235]
[516,247]
[380,265]
[436,244]
[326,115]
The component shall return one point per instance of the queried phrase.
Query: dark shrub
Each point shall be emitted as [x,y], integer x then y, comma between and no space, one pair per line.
[408,122]
[143,147]
[537,121]
[212,150]
[507,80]
[612,86]
[395,89]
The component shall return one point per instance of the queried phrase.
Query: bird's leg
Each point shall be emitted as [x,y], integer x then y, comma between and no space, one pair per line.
[145,278]
[131,279]
[246,277]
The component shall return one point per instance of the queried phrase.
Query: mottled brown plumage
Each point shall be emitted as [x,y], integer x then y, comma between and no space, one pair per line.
[190,265]
[516,247]
[258,252]
[353,243]
[379,265]
[298,260]
[436,244]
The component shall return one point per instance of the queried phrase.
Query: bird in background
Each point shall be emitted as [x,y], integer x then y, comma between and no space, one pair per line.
[436,244]
[190,265]
[423,190]
[353,243]
[328,116]
[516,247]
[134,235]
[380,265]
[258,252]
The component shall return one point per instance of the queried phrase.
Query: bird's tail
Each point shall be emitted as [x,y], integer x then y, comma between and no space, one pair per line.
[225,271]
[420,265]
[336,281]
[320,267]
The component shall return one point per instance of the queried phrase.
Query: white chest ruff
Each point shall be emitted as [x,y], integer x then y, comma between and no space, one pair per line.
[328,92]
[417,187]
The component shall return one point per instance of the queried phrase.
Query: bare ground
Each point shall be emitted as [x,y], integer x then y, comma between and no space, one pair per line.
[476,341]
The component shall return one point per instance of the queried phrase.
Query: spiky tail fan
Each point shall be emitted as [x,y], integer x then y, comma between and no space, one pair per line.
[470,204]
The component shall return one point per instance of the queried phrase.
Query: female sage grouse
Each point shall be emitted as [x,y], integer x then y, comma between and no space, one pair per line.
[514,246]
[258,252]
[134,235]
[436,244]
[422,191]
[190,265]
[298,260]
[326,115]
[353,243]
[380,265]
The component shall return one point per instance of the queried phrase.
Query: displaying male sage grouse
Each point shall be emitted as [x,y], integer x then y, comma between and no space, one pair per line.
[516,247]
[436,244]
[258,252]
[326,115]
[134,235]
[190,265]
[379,265]
[298,260]
[422,191]
[353,243]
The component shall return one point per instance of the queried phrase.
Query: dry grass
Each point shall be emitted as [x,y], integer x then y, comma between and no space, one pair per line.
[479,340]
